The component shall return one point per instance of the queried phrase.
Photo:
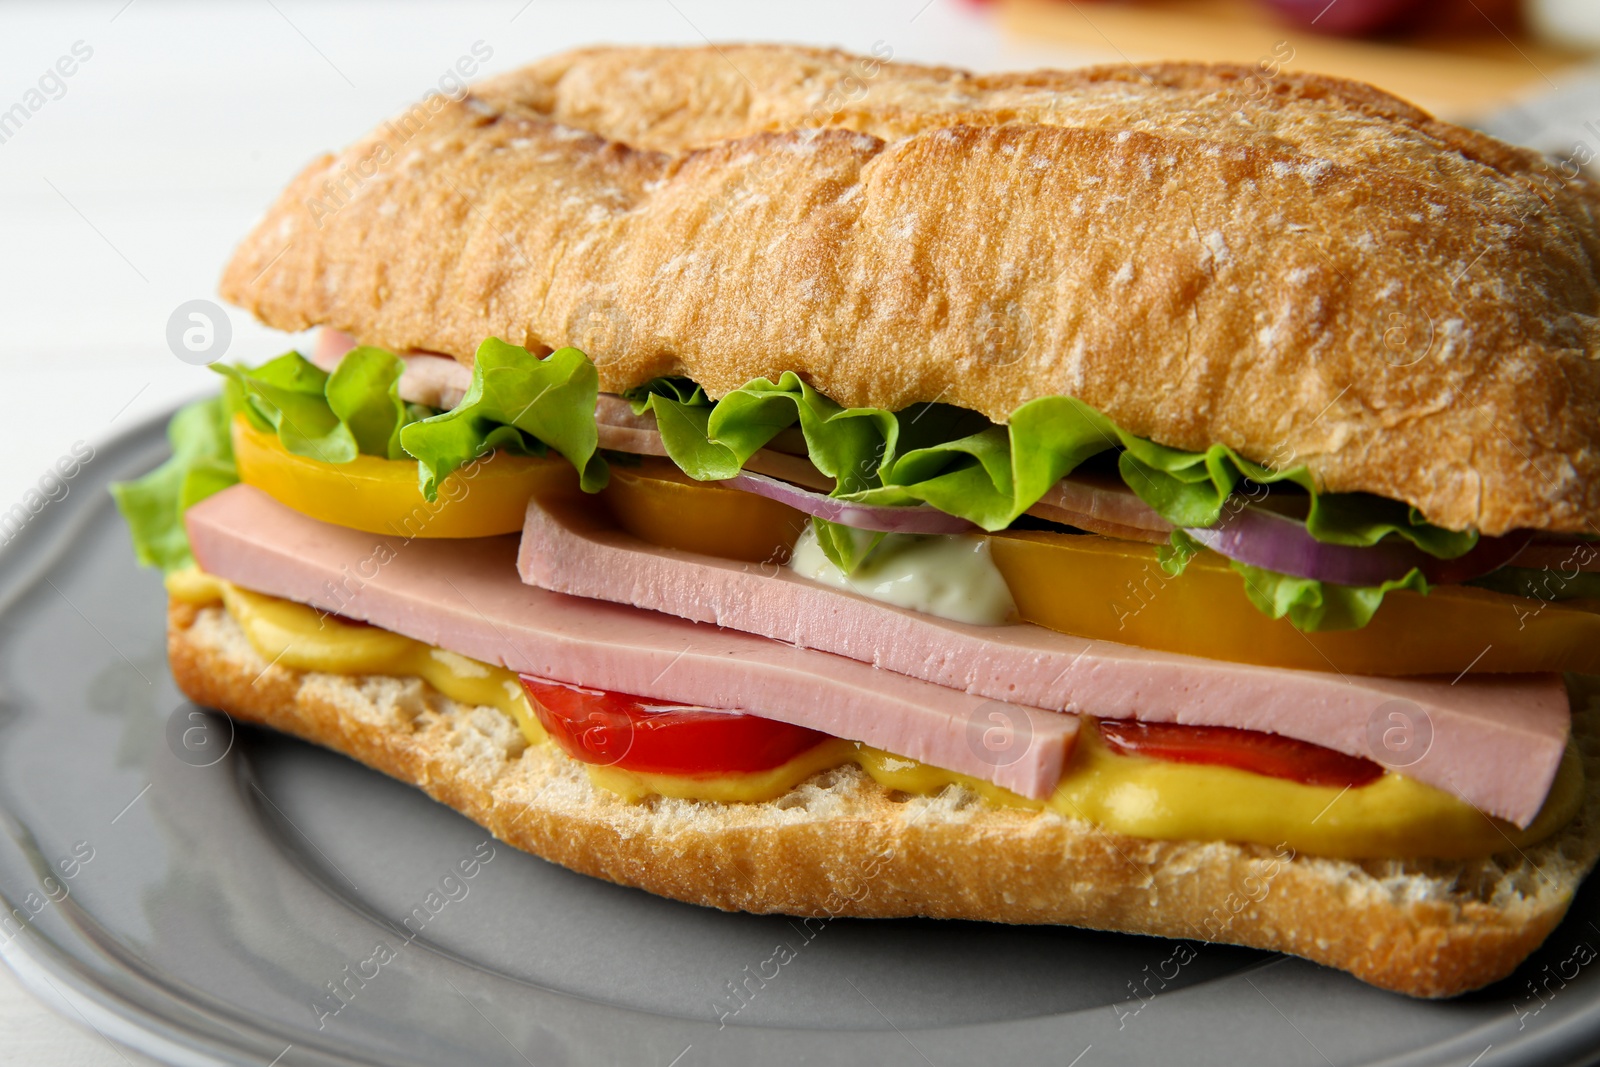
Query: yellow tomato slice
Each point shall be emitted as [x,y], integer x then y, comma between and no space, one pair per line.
[382,495]
[1113,590]
[657,502]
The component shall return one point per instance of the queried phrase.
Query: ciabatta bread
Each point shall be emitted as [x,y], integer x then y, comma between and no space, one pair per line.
[841,845]
[1304,268]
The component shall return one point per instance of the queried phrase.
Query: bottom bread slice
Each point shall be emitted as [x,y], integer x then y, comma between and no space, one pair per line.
[842,845]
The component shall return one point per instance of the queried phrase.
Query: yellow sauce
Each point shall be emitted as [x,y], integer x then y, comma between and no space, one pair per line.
[303,639]
[1133,795]
[747,787]
[1393,816]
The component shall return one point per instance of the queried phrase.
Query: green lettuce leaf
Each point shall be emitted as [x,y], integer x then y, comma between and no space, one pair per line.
[683,390]
[286,395]
[1190,489]
[356,410]
[712,441]
[517,402]
[520,403]
[1310,605]
[845,546]
[363,393]
[995,475]
[1314,606]
[1174,556]
[1540,583]
[201,464]
[962,464]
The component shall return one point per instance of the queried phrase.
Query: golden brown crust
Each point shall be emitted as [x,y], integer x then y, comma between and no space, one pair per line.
[1303,268]
[840,845]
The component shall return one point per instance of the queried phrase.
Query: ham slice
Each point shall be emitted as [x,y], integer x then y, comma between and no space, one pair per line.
[330,348]
[437,381]
[1102,506]
[464,596]
[621,430]
[1496,741]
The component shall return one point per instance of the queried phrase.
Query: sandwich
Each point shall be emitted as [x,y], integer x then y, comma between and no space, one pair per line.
[1154,500]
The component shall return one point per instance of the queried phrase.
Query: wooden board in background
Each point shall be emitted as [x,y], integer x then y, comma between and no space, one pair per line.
[1455,78]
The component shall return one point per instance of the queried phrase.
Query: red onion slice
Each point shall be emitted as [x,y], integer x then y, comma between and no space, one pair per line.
[1262,538]
[912,519]
[434,380]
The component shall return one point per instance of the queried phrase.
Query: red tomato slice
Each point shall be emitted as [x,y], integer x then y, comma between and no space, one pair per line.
[653,736]
[1247,750]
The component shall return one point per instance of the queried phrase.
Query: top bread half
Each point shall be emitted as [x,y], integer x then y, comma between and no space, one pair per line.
[1300,267]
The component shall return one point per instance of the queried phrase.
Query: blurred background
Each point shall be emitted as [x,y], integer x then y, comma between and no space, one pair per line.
[1461,59]
[139,139]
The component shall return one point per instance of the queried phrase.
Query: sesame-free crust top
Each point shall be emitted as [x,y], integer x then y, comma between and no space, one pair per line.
[1300,267]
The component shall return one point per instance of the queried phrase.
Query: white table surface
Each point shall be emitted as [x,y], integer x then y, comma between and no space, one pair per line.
[122,198]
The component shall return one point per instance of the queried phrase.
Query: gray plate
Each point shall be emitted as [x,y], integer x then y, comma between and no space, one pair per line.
[228,891]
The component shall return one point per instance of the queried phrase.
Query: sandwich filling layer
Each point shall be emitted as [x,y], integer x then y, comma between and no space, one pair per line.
[913,588]
[1131,794]
[1495,741]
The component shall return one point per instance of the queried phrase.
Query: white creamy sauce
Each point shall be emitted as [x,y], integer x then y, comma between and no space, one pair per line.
[951,576]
